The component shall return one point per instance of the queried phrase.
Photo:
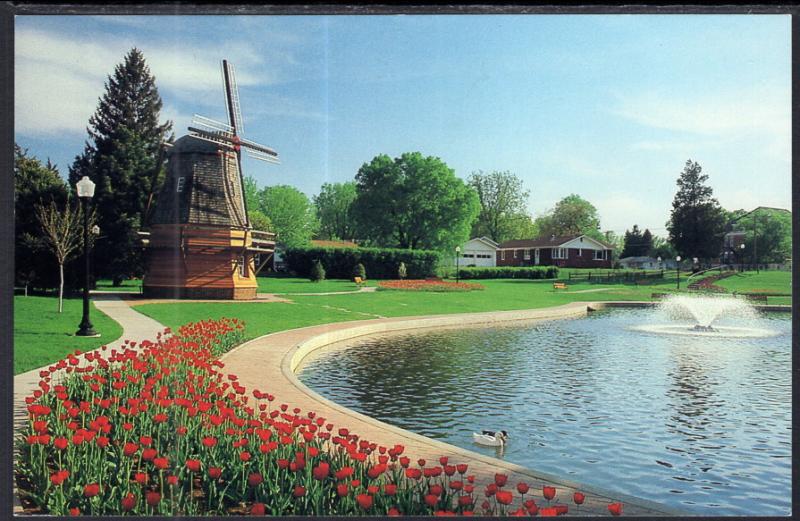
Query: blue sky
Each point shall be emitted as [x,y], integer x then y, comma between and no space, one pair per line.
[608,107]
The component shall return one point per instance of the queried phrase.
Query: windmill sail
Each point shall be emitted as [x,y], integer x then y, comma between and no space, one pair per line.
[232,97]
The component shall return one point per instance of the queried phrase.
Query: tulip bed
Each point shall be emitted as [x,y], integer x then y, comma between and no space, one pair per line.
[160,429]
[428,285]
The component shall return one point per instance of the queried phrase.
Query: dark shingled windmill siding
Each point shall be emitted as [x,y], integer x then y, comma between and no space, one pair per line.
[206,198]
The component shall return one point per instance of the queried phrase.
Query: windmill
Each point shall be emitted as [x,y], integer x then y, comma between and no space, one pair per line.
[201,243]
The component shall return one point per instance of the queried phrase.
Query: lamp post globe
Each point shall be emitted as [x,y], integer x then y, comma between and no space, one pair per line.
[678,271]
[458,259]
[85,189]
[741,258]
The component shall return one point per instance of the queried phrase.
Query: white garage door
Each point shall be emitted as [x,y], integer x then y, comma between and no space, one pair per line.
[478,258]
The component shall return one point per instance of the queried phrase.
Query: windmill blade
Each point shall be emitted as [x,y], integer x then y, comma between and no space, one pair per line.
[212,125]
[252,145]
[212,137]
[232,97]
[255,154]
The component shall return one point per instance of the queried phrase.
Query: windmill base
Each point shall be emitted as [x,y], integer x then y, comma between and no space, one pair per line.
[167,292]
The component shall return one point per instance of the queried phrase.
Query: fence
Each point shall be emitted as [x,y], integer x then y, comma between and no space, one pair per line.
[616,276]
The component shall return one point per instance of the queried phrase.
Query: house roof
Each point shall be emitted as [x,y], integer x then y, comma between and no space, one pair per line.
[485,240]
[547,242]
[334,244]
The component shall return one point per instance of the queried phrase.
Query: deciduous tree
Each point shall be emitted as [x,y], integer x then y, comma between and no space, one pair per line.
[413,202]
[333,206]
[290,213]
[571,215]
[503,207]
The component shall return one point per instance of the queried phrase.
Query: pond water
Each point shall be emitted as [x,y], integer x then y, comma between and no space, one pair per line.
[694,422]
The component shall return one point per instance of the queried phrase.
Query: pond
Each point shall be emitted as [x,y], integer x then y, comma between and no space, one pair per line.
[700,423]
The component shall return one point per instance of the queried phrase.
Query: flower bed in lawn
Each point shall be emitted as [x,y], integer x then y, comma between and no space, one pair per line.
[428,285]
[162,430]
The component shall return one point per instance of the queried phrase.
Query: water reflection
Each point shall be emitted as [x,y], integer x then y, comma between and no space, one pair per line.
[699,424]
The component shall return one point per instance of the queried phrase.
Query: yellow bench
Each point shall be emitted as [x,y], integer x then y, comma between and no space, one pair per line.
[559,285]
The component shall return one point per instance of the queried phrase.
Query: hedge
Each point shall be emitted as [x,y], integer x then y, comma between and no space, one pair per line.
[380,263]
[508,272]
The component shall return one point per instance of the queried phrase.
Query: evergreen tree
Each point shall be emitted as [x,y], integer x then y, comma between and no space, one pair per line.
[697,221]
[647,243]
[637,244]
[122,158]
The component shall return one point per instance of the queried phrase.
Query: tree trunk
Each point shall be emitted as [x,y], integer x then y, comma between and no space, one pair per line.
[60,287]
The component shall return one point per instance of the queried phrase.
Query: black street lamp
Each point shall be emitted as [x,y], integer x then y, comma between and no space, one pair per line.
[678,270]
[458,258]
[85,189]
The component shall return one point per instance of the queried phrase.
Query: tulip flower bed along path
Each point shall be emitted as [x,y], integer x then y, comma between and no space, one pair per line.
[165,430]
[428,285]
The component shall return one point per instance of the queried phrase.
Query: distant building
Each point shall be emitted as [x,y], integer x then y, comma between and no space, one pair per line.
[479,251]
[647,263]
[570,251]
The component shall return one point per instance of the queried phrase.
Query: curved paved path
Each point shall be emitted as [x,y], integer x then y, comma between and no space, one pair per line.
[268,363]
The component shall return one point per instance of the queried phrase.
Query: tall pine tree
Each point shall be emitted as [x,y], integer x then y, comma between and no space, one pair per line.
[122,158]
[697,221]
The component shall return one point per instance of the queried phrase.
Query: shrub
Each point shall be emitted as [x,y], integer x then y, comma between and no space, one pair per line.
[401,271]
[317,272]
[360,271]
[380,263]
[510,272]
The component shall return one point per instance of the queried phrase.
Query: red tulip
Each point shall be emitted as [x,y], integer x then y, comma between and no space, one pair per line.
[152,498]
[141,478]
[59,477]
[364,501]
[209,441]
[456,485]
[491,489]
[548,492]
[443,460]
[193,465]
[254,479]
[214,472]
[500,479]
[393,512]
[321,471]
[449,470]
[436,490]
[129,449]
[578,498]
[244,456]
[145,440]
[299,491]
[413,473]
[74,511]
[518,513]
[421,462]
[548,512]
[344,473]
[462,468]
[561,509]
[93,489]
[161,463]
[390,489]
[431,500]
[464,501]
[615,509]
[258,509]
[504,497]
[148,454]
[341,489]
[405,461]
[172,481]
[60,443]
[128,502]
[523,488]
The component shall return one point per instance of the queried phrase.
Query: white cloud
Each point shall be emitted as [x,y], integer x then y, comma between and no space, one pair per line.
[59,79]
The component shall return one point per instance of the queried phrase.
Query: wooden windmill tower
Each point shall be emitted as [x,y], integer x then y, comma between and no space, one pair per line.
[200,243]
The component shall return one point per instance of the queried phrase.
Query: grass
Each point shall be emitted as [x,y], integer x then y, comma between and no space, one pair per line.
[289,285]
[763,282]
[499,295]
[128,286]
[43,336]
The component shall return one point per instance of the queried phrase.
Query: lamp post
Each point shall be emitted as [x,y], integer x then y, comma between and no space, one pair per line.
[458,258]
[85,189]
[741,258]
[695,265]
[678,270]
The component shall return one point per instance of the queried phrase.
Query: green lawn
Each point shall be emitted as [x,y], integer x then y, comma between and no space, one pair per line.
[502,294]
[288,285]
[42,335]
[128,286]
[763,282]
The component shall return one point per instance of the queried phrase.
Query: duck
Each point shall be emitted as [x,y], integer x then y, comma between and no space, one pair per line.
[490,438]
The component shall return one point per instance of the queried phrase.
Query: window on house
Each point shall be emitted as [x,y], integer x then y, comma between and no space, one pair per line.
[559,253]
[502,254]
[580,252]
[179,186]
[526,254]
[515,254]
[599,254]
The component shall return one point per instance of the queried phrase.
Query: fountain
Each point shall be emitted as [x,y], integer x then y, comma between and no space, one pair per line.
[703,311]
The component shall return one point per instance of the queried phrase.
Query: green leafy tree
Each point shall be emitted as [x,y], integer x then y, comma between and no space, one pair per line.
[259,221]
[34,183]
[768,234]
[697,222]
[503,207]
[251,196]
[662,248]
[291,214]
[333,210]
[413,202]
[122,157]
[571,215]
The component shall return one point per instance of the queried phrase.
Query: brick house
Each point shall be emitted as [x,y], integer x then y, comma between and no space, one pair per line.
[571,251]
